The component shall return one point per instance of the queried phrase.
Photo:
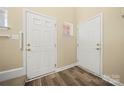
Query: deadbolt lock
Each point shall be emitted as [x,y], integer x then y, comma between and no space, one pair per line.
[28,49]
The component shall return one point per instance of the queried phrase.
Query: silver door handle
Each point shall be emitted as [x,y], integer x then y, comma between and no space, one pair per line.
[98,44]
[28,44]
[28,49]
[97,48]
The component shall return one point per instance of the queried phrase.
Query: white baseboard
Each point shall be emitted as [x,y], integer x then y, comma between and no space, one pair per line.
[10,74]
[114,82]
[66,67]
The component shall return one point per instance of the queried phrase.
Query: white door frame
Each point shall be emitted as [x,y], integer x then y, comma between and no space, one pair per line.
[101,39]
[24,35]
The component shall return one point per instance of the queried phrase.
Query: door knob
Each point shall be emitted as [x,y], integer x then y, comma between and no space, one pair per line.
[98,44]
[28,44]
[97,48]
[28,49]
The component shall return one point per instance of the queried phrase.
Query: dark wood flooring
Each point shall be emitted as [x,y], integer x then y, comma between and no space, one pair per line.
[74,76]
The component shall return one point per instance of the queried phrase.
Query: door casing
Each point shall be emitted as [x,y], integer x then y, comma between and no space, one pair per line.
[101,39]
[25,41]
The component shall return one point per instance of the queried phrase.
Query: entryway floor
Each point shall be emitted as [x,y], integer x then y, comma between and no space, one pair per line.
[74,76]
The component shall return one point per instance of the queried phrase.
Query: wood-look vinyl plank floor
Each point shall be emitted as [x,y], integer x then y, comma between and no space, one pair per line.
[74,76]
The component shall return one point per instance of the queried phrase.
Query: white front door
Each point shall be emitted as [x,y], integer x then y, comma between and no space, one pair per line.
[89,39]
[41,44]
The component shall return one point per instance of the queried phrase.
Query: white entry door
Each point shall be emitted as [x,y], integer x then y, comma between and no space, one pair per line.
[41,44]
[89,49]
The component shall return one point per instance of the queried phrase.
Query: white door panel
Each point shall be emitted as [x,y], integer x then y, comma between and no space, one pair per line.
[88,38]
[41,38]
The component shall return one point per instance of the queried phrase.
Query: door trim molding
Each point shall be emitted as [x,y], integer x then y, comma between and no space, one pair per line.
[101,39]
[25,10]
[101,35]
